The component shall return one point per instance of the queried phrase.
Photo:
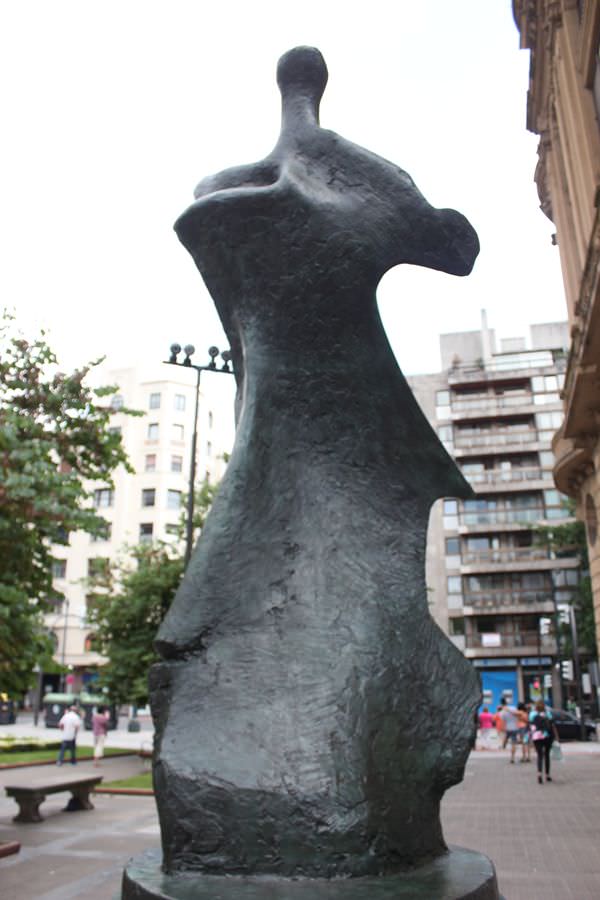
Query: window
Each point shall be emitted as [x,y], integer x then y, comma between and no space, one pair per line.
[59,568]
[478,543]
[452,546]
[171,528]
[208,448]
[117,402]
[442,398]
[116,430]
[150,463]
[177,432]
[153,431]
[179,402]
[148,496]
[450,507]
[154,401]
[210,419]
[146,529]
[549,420]
[104,535]
[457,625]
[173,499]
[97,566]
[176,463]
[103,497]
[445,432]
[454,584]
[565,577]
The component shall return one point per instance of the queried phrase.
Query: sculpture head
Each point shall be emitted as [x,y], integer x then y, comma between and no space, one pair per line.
[360,204]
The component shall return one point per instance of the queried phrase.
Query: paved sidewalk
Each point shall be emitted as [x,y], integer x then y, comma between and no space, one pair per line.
[79,854]
[544,840]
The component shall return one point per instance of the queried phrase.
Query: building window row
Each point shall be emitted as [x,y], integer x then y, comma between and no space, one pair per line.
[153,432]
[154,401]
[150,462]
[173,498]
[146,532]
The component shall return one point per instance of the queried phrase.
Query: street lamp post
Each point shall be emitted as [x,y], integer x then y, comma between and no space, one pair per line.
[577,661]
[64,644]
[187,363]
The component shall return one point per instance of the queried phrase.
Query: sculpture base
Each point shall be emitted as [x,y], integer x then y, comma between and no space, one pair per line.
[457,875]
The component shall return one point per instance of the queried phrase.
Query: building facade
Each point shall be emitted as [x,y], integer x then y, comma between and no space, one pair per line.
[144,505]
[493,587]
[563,107]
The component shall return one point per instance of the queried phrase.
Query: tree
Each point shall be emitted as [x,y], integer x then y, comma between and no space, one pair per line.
[569,539]
[128,604]
[55,447]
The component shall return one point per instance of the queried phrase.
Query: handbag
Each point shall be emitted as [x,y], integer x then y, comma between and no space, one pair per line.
[556,752]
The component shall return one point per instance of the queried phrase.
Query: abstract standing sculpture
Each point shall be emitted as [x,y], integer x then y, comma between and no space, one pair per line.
[309,713]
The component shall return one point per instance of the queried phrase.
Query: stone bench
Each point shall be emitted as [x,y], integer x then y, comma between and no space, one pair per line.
[30,797]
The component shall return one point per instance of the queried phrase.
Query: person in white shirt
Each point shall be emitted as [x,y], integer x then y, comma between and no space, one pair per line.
[70,725]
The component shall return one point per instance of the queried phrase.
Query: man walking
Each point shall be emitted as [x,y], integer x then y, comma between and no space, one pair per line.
[511,725]
[70,725]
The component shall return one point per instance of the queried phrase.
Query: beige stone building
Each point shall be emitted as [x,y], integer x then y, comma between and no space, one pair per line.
[563,107]
[143,505]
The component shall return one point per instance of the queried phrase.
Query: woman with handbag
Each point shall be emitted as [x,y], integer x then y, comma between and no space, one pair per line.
[543,731]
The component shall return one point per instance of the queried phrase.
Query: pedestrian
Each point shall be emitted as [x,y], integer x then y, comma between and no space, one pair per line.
[511,727]
[486,723]
[70,725]
[543,731]
[523,718]
[100,721]
[500,730]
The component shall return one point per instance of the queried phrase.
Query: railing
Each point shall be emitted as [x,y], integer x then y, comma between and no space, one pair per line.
[503,555]
[491,599]
[490,402]
[502,516]
[497,476]
[509,641]
[494,438]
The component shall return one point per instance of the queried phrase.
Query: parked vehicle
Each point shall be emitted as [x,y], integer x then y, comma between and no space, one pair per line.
[568,726]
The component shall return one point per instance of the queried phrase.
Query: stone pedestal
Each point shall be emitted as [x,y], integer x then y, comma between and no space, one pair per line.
[457,875]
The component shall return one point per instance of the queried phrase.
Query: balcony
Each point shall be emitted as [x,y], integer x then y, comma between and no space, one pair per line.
[494,438]
[524,643]
[502,367]
[483,405]
[509,601]
[514,479]
[512,559]
[491,518]
[503,555]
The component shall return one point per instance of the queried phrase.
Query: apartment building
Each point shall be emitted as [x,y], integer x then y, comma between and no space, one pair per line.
[145,505]
[492,586]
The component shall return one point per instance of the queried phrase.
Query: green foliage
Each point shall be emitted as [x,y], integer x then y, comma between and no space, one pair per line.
[569,539]
[128,604]
[55,442]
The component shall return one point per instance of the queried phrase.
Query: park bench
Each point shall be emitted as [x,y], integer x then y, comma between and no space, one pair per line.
[30,797]
[9,847]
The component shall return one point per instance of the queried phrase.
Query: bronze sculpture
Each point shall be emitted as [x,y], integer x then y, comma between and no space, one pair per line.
[309,712]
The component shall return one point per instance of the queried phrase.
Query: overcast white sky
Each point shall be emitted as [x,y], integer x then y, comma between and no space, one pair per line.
[113,111]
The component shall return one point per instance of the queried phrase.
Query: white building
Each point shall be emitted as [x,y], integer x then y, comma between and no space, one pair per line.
[145,505]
